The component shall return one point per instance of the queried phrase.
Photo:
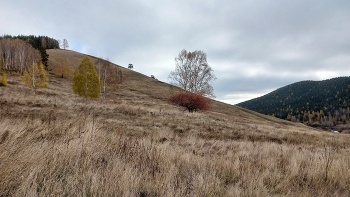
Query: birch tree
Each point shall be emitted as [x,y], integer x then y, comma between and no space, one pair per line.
[7,53]
[193,73]
[36,77]
[65,44]
[23,51]
[109,76]
[16,54]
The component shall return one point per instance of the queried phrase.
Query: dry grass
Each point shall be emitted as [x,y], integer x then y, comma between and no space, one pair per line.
[136,144]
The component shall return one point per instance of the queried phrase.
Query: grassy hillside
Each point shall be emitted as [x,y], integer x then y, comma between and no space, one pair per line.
[327,95]
[136,144]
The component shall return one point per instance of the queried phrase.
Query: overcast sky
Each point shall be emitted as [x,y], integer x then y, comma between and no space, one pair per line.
[254,47]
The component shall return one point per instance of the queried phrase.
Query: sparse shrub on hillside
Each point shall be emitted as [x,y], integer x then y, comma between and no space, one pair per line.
[192,102]
[35,77]
[153,77]
[63,69]
[3,79]
[86,82]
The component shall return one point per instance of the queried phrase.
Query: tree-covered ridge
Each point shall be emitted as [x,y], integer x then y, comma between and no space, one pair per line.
[37,42]
[327,95]
[41,43]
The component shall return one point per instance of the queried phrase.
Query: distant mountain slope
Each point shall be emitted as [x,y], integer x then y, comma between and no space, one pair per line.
[325,95]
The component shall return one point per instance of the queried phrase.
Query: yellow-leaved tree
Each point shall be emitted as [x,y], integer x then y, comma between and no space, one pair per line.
[35,77]
[86,82]
[3,79]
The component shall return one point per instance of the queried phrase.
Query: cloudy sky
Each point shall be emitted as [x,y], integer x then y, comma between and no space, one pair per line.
[254,47]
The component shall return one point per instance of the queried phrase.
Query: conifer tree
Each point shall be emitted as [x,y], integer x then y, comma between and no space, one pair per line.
[86,82]
[35,77]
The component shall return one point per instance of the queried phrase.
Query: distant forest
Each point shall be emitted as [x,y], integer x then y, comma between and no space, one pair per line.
[324,102]
[40,43]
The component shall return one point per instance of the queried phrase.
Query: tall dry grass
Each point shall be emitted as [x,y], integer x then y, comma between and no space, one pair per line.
[56,144]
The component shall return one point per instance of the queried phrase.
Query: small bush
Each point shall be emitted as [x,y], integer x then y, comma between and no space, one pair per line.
[3,79]
[192,102]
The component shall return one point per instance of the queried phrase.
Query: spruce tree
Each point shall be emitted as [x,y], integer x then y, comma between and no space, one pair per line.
[86,82]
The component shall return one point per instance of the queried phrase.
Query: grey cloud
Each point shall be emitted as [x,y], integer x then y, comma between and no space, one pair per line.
[253,46]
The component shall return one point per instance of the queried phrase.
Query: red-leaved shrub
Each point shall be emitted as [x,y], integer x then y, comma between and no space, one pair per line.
[192,102]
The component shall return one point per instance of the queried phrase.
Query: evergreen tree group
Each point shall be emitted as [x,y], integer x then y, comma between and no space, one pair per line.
[303,98]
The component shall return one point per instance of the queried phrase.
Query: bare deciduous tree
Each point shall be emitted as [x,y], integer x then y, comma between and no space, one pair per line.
[119,75]
[7,50]
[16,54]
[59,42]
[109,74]
[23,49]
[65,44]
[193,73]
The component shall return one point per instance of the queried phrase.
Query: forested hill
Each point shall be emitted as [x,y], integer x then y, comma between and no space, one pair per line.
[40,43]
[327,95]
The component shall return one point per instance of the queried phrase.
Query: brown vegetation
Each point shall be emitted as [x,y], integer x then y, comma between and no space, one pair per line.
[63,68]
[191,101]
[17,55]
[133,143]
[35,77]
[3,79]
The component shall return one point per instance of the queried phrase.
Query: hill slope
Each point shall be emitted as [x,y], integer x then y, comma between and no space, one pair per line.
[136,144]
[326,95]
